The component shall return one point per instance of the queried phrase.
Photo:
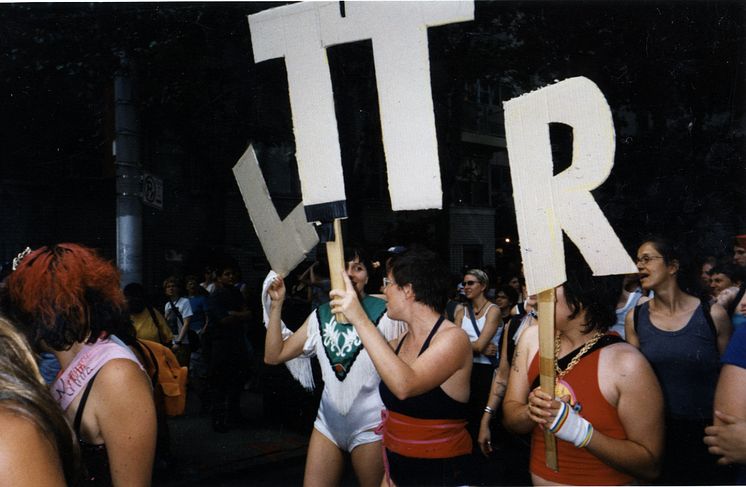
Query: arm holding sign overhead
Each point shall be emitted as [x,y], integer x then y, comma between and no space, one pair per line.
[547,204]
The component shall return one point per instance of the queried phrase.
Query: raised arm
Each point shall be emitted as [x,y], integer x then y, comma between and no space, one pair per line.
[277,350]
[448,353]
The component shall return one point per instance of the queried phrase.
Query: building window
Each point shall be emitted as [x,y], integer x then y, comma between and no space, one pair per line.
[472,256]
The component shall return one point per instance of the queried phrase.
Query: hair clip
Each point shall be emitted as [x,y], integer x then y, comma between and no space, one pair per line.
[17,259]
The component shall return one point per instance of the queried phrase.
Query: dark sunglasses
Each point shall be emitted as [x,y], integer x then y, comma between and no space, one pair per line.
[469,283]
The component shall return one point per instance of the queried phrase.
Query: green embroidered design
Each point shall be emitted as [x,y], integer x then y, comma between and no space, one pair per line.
[341,342]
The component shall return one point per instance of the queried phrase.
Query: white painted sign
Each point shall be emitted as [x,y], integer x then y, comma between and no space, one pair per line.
[398,30]
[285,242]
[547,204]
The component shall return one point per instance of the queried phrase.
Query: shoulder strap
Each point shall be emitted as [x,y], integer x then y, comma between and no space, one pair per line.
[81,406]
[155,323]
[175,309]
[734,304]
[606,340]
[431,335]
[401,342]
[492,360]
[473,319]
[636,316]
[708,318]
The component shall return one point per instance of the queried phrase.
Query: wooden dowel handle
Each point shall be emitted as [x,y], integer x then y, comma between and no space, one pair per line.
[546,365]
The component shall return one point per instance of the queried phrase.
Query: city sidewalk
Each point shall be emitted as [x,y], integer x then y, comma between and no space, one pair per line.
[201,454]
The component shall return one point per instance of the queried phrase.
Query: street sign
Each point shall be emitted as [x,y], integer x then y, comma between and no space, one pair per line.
[152,190]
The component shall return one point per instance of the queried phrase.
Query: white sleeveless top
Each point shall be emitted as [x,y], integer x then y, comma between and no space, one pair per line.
[466,325]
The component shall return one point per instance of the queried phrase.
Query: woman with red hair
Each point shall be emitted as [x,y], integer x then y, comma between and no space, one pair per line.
[68,300]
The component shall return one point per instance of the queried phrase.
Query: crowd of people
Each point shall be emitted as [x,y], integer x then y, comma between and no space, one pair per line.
[426,381]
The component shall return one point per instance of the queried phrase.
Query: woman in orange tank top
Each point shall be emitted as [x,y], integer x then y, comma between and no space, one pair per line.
[607,413]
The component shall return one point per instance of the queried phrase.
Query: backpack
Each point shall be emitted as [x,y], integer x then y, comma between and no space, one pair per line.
[169,379]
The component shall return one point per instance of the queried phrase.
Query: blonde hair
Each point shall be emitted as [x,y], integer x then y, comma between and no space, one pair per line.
[23,392]
[480,275]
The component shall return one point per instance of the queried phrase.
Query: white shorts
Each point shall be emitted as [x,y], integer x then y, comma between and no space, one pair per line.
[356,427]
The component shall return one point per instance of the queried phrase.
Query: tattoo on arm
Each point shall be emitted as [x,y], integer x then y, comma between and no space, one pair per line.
[515,360]
[500,393]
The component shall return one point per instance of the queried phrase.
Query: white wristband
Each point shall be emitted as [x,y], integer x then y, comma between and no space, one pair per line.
[568,425]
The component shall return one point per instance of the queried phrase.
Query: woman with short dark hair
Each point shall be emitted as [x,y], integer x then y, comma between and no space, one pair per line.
[68,299]
[424,373]
[607,407]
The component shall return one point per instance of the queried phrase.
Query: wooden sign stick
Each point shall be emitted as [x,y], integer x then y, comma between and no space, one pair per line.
[546,301]
[335,255]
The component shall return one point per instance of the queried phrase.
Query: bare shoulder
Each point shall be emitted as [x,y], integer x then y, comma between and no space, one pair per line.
[530,335]
[458,313]
[718,312]
[624,359]
[36,461]
[493,309]
[16,429]
[122,373]
[453,335]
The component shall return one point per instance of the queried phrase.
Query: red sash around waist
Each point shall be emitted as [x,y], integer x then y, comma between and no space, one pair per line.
[424,438]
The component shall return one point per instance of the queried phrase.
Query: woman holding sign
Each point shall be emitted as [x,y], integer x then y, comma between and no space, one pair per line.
[608,409]
[425,373]
[350,406]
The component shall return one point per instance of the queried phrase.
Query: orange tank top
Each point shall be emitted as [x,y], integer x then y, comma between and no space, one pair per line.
[577,466]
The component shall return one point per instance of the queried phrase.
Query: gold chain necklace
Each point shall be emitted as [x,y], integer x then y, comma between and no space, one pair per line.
[557,342]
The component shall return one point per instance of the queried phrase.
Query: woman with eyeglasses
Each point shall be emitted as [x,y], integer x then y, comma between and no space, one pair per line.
[350,408]
[682,337]
[424,374]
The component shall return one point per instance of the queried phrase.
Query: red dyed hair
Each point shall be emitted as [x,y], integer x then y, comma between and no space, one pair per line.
[56,290]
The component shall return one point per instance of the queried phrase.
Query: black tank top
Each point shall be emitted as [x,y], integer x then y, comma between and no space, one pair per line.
[95,458]
[433,404]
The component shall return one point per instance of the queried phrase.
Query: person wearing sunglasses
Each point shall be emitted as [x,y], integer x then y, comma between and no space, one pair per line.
[482,322]
[682,337]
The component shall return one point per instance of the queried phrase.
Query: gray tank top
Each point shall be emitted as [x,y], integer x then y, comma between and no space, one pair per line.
[686,362]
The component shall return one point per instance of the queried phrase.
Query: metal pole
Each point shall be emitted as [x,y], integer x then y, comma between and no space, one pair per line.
[128,176]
